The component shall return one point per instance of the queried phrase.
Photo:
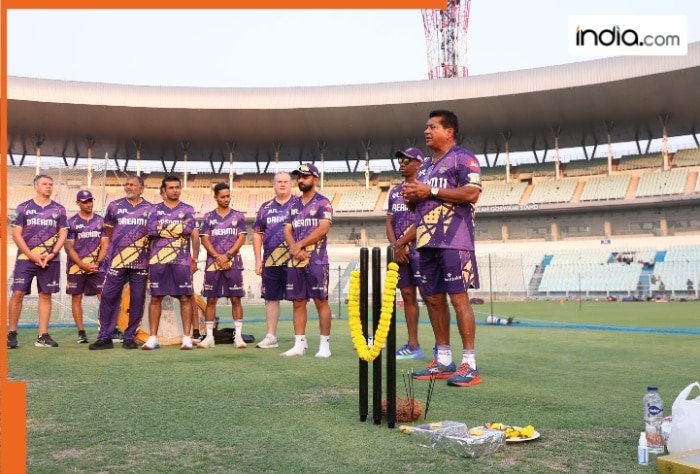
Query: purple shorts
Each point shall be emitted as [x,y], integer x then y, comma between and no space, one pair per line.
[47,279]
[409,273]
[307,282]
[223,284]
[88,284]
[170,280]
[274,283]
[447,271]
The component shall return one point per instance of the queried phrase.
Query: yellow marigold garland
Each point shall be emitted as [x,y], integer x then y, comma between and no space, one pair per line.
[364,351]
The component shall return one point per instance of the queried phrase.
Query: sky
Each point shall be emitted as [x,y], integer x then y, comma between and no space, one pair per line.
[279,48]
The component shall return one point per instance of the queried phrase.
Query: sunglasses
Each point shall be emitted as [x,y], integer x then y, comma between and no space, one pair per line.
[405,161]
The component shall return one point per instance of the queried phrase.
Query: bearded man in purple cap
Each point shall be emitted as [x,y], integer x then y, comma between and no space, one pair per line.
[401,232]
[86,248]
[305,232]
[445,196]
[39,230]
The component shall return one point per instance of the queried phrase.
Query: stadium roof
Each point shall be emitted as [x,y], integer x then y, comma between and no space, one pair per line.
[630,93]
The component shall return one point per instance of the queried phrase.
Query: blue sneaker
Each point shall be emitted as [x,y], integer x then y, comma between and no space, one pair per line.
[405,353]
[465,376]
[434,370]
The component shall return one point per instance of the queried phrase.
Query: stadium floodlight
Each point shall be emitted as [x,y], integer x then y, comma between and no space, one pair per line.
[446,39]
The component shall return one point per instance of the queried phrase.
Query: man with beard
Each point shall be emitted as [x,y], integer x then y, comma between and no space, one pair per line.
[401,232]
[305,232]
[127,263]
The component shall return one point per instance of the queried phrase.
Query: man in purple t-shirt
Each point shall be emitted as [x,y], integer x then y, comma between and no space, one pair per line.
[305,232]
[171,263]
[223,233]
[401,232]
[39,230]
[126,263]
[445,197]
[272,254]
[86,248]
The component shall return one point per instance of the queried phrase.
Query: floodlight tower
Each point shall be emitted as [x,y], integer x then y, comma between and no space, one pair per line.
[446,38]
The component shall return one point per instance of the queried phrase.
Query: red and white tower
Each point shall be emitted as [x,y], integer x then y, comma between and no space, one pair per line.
[446,38]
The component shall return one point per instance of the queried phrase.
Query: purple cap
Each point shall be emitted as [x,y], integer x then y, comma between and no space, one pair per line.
[84,195]
[307,169]
[412,153]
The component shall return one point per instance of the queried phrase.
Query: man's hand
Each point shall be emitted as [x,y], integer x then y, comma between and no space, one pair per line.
[415,191]
[258,267]
[221,260]
[400,254]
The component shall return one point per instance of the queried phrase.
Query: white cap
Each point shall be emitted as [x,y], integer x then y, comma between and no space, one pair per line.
[642,439]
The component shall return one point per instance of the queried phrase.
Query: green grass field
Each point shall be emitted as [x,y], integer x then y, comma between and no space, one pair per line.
[230,410]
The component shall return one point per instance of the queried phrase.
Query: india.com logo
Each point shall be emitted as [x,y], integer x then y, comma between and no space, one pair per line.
[616,36]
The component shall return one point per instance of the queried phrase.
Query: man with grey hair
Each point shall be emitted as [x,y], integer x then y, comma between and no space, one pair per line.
[39,229]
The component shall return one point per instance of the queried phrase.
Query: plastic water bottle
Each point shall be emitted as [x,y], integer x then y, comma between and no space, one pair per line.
[653,417]
[642,451]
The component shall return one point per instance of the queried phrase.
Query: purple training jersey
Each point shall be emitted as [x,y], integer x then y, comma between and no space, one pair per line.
[40,226]
[128,247]
[223,232]
[401,217]
[86,236]
[442,224]
[304,219]
[270,221]
[170,231]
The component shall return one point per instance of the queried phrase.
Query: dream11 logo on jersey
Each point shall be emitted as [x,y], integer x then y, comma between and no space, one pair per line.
[600,35]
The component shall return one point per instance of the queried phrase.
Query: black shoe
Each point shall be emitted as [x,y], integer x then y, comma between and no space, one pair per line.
[12,340]
[117,335]
[101,344]
[129,344]
[45,341]
[82,338]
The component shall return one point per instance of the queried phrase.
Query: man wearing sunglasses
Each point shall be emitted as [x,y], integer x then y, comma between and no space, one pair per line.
[445,196]
[401,232]
[305,232]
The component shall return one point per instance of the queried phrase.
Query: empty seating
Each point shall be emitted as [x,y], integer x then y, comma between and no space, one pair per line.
[662,183]
[606,187]
[635,162]
[687,157]
[561,190]
[358,200]
[586,167]
[502,194]
[537,169]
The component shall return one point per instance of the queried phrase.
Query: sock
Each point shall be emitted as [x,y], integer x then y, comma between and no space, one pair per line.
[238,324]
[325,341]
[195,334]
[81,333]
[444,355]
[210,328]
[300,340]
[469,356]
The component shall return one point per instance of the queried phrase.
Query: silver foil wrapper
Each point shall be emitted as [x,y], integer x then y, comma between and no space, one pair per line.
[453,438]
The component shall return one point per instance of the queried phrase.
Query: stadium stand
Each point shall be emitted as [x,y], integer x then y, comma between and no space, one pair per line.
[537,169]
[493,173]
[687,157]
[586,167]
[662,183]
[344,179]
[502,194]
[591,277]
[561,190]
[510,272]
[358,200]
[388,178]
[606,187]
[635,162]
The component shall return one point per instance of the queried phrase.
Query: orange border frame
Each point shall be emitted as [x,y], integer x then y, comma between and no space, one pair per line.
[13,446]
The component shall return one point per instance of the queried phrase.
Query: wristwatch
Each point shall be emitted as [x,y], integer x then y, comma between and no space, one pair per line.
[434,191]
[229,255]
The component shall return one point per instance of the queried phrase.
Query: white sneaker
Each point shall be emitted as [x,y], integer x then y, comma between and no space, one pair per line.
[151,344]
[206,343]
[294,351]
[239,342]
[268,342]
[324,352]
[186,343]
